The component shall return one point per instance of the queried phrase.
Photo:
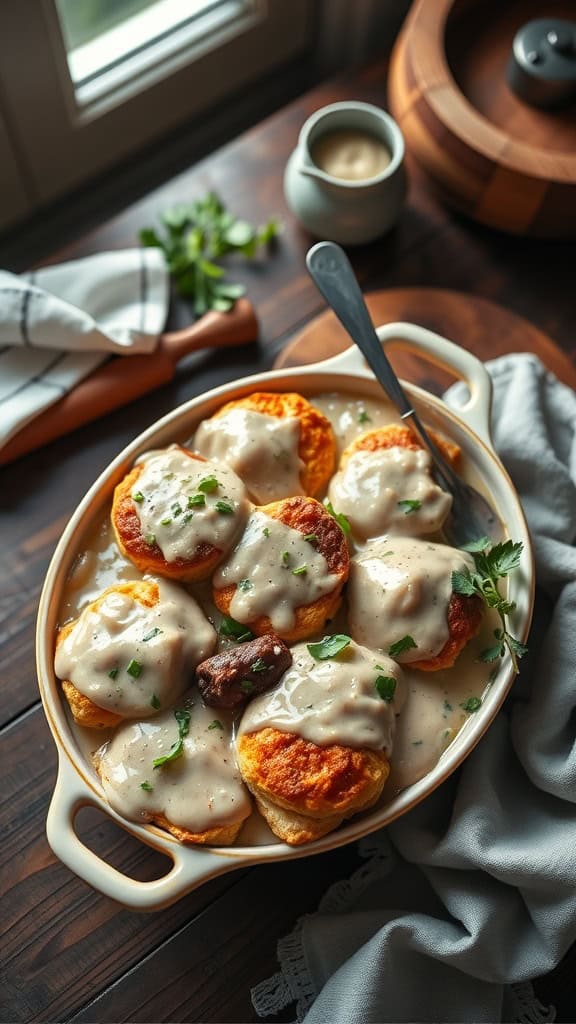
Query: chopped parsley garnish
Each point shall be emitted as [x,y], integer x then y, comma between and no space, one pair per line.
[189,516]
[224,507]
[155,703]
[312,538]
[340,518]
[166,521]
[208,484]
[216,724]
[146,787]
[247,686]
[363,417]
[266,531]
[134,668]
[113,673]
[406,643]
[245,585]
[409,505]
[150,538]
[330,646]
[285,558]
[300,571]
[155,631]
[236,630]
[490,565]
[472,704]
[447,705]
[416,743]
[183,720]
[138,497]
[386,687]
[196,500]
[177,509]
[259,665]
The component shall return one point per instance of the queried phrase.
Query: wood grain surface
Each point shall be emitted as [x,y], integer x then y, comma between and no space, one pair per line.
[470,321]
[69,953]
[485,151]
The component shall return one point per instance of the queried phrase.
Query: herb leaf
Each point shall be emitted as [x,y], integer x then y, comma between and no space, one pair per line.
[194,237]
[341,519]
[491,564]
[236,630]
[134,668]
[406,643]
[386,687]
[472,704]
[330,646]
[409,505]
[183,720]
[208,484]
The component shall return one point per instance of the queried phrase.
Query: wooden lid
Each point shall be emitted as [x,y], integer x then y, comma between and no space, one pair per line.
[486,152]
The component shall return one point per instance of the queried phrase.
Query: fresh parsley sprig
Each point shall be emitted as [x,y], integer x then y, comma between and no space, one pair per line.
[194,238]
[492,563]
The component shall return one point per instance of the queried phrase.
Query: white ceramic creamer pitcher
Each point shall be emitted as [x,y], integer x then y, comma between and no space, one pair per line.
[347,211]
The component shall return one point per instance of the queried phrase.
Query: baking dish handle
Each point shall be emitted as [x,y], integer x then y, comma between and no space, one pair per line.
[475,408]
[190,867]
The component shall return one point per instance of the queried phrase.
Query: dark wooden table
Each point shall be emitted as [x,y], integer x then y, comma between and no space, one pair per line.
[69,953]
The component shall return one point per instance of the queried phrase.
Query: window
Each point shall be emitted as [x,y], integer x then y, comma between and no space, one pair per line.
[85,83]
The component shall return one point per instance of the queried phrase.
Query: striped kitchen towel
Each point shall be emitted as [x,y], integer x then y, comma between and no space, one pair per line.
[57,324]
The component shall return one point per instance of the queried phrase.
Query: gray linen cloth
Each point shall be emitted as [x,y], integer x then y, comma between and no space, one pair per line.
[473,893]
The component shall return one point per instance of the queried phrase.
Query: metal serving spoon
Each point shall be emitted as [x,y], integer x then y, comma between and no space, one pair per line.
[471,516]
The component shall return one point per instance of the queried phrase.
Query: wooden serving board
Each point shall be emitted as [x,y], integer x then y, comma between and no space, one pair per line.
[481,326]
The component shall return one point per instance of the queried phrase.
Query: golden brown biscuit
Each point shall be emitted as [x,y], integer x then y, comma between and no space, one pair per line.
[317,445]
[310,518]
[464,617]
[394,435]
[224,835]
[85,712]
[322,785]
[182,776]
[145,552]
[131,652]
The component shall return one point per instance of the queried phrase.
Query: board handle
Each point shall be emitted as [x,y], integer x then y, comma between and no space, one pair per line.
[191,867]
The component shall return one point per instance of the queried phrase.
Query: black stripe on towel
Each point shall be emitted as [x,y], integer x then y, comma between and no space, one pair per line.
[24,310]
[39,379]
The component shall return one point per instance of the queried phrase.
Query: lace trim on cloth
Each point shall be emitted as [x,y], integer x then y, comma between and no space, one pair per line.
[522,1006]
[292,983]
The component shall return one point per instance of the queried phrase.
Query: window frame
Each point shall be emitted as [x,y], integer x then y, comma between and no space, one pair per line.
[59,144]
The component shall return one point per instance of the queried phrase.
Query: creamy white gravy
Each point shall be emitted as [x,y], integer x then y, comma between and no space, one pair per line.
[182,502]
[199,790]
[134,660]
[261,449]
[350,155]
[275,571]
[333,701]
[390,490]
[425,726]
[352,415]
[401,586]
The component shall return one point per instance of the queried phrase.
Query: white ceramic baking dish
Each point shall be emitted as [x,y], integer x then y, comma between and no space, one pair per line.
[77,784]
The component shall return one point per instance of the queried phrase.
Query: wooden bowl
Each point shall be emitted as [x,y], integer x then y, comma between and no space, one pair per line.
[484,151]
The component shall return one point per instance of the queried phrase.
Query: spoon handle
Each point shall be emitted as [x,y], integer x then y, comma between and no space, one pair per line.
[332,273]
[330,269]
